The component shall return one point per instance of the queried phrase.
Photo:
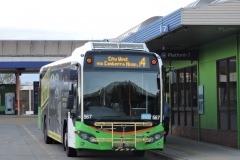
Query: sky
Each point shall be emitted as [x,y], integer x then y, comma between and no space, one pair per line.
[27,78]
[78,19]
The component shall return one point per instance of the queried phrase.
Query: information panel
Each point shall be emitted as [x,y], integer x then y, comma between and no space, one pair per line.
[121,61]
[200,99]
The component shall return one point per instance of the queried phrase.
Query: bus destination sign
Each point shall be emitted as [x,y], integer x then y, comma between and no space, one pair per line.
[121,61]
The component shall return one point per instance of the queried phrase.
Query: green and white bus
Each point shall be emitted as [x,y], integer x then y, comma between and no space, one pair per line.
[105,96]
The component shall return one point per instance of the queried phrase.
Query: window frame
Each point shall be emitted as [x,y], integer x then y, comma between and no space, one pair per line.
[186,115]
[225,109]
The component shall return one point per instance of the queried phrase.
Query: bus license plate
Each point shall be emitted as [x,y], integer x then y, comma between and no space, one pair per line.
[122,145]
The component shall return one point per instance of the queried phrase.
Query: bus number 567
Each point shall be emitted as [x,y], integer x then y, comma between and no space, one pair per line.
[87,116]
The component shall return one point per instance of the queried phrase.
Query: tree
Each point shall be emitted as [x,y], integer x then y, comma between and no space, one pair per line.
[7,79]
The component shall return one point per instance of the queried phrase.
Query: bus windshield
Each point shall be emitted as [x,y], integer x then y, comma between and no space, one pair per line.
[121,96]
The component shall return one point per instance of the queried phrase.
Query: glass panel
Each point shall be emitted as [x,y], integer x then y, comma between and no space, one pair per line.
[232,93]
[233,120]
[181,76]
[194,74]
[194,87]
[184,94]
[227,94]
[175,118]
[166,88]
[223,120]
[175,95]
[232,83]
[188,87]
[189,119]
[121,96]
[195,119]
[181,87]
[222,83]
[182,119]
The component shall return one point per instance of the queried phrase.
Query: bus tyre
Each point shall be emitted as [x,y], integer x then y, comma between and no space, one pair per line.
[47,139]
[138,153]
[64,139]
[71,152]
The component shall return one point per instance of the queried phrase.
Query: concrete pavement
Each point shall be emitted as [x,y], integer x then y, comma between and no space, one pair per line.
[176,147]
[179,148]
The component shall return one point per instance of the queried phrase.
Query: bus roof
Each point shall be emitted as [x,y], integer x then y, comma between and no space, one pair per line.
[98,46]
[110,45]
[59,62]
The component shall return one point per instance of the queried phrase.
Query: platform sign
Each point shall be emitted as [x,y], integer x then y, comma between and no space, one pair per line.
[200,99]
[163,29]
[178,55]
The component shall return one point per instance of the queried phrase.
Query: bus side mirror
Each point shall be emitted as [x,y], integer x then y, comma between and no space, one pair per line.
[70,101]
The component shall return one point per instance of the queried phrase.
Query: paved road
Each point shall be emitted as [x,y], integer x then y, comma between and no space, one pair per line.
[22,140]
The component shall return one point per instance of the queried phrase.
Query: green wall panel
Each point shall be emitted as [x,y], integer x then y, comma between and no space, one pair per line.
[220,49]
[208,56]
[207,78]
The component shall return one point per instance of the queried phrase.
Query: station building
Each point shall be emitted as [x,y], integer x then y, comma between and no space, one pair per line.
[200,48]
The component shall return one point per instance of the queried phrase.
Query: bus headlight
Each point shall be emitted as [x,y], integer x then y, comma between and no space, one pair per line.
[151,139]
[86,136]
[155,137]
[83,136]
[91,139]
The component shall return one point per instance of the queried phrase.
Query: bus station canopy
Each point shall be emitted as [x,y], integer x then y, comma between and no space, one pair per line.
[187,28]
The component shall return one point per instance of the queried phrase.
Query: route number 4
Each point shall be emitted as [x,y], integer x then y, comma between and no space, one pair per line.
[142,63]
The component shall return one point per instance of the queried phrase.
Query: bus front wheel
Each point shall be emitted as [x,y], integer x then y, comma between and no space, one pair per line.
[71,152]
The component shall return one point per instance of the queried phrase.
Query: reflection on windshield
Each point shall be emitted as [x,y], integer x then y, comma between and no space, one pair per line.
[121,94]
